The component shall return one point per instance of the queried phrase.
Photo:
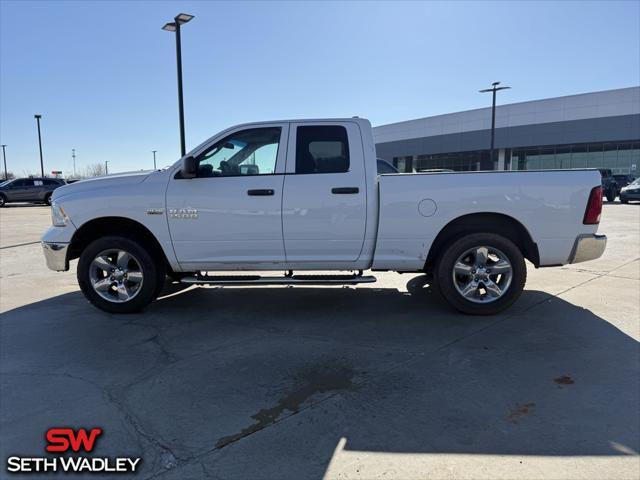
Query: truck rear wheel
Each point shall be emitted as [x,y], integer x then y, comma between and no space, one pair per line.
[119,275]
[481,274]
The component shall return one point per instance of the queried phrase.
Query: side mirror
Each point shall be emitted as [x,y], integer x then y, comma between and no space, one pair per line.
[189,167]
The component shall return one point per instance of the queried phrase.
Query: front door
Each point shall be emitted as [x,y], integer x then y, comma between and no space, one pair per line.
[324,211]
[21,190]
[229,216]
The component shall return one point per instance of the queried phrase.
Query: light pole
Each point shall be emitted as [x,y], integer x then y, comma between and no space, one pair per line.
[154,159]
[73,155]
[174,26]
[494,88]
[106,167]
[38,117]
[4,157]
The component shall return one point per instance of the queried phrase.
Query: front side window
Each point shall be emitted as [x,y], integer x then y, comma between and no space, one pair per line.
[247,152]
[322,149]
[23,183]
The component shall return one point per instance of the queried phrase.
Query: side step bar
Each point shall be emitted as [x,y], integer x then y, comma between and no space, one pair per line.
[286,280]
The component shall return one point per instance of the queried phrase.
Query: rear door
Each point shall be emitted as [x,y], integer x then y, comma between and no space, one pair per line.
[324,204]
[37,191]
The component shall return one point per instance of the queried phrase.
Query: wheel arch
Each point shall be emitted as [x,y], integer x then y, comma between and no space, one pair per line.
[486,222]
[113,225]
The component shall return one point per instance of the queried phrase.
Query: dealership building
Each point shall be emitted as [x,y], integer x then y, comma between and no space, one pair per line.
[592,130]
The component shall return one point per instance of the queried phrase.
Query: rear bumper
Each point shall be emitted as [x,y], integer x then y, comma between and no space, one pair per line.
[55,255]
[588,247]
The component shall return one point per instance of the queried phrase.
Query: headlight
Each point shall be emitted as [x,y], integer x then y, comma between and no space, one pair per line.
[58,217]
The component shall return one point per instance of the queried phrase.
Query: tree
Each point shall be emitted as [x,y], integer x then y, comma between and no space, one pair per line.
[91,170]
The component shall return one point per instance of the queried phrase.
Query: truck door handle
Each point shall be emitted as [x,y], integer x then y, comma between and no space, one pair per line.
[345,190]
[261,192]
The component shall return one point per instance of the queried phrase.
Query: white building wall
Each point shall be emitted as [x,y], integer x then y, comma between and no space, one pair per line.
[609,103]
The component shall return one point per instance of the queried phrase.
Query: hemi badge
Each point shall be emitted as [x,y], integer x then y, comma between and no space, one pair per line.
[155,211]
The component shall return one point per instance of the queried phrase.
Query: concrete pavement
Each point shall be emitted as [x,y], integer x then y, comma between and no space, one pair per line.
[378,381]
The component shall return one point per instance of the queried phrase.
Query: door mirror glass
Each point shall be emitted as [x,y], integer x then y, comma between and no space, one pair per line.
[189,167]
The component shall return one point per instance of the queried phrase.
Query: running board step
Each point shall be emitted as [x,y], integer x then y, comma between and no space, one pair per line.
[288,280]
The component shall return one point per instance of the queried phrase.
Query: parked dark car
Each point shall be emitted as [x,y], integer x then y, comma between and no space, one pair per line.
[631,192]
[28,190]
[610,187]
[623,180]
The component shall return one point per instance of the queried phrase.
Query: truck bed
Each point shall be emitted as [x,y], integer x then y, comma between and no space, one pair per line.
[550,204]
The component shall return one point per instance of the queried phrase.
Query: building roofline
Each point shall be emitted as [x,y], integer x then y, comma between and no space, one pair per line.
[507,105]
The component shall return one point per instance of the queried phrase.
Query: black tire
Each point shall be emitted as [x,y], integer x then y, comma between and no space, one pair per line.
[445,278]
[47,199]
[153,274]
[611,195]
[623,200]
[3,200]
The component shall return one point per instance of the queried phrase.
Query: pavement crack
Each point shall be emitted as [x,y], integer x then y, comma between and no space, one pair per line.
[168,459]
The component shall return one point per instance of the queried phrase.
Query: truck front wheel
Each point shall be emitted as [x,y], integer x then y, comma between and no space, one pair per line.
[119,275]
[481,274]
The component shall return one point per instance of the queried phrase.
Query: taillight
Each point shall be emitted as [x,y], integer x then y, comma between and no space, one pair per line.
[594,207]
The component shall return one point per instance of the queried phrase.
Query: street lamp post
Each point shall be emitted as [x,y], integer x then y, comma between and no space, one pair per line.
[174,26]
[73,155]
[494,88]
[4,157]
[106,167]
[154,159]
[38,117]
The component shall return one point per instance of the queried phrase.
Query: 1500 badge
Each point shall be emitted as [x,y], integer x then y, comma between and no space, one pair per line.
[183,213]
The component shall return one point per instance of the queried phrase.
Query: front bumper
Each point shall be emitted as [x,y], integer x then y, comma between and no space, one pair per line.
[55,255]
[588,247]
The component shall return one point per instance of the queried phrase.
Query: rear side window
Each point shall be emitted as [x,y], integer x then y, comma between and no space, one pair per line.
[322,149]
[52,182]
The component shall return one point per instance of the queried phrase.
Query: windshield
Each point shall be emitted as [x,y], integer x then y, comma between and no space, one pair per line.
[6,182]
[636,182]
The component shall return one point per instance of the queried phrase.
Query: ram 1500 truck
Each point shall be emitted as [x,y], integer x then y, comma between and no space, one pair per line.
[305,195]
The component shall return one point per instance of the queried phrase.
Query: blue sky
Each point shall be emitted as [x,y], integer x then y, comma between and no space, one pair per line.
[102,74]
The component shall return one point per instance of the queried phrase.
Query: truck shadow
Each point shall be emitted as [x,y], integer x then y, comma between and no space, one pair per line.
[271,379]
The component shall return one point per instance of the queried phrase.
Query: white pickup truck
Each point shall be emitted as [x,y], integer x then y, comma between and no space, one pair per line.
[305,195]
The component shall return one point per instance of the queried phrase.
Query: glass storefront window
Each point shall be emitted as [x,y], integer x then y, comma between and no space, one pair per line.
[563,157]
[547,158]
[594,156]
[579,156]
[610,156]
[628,158]
[620,157]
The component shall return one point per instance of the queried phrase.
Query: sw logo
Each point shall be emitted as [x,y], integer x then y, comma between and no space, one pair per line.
[61,439]
[65,440]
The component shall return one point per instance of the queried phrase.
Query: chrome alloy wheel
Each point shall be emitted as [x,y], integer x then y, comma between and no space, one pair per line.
[482,274]
[116,275]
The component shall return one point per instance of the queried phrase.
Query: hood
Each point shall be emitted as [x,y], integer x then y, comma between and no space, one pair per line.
[108,181]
